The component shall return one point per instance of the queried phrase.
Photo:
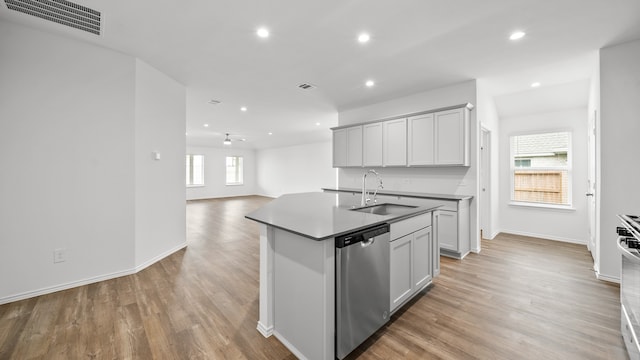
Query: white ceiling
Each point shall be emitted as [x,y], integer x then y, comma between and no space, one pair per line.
[417,45]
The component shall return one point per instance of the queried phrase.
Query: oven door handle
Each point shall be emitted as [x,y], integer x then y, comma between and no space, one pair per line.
[628,254]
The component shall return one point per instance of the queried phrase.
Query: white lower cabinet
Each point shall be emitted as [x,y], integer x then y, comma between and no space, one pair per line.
[400,276]
[411,267]
[422,267]
[447,229]
[452,229]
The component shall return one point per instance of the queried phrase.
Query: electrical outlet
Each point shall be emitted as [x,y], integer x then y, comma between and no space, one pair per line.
[59,255]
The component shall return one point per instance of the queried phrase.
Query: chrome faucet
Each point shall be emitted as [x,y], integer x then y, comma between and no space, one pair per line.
[365,194]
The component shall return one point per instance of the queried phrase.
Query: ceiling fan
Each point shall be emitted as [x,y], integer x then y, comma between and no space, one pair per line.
[227,139]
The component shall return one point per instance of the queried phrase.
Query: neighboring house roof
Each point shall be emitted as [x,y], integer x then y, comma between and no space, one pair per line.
[548,144]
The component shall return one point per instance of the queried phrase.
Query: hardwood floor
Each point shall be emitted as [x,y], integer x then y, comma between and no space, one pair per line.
[521,298]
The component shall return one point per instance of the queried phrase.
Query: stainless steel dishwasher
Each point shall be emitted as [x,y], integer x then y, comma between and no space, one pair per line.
[362,286]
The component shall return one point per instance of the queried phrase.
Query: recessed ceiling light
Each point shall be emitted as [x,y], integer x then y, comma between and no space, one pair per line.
[244,108]
[535,84]
[263,32]
[517,35]
[363,38]
[186,133]
[270,133]
[317,124]
[369,83]
[206,125]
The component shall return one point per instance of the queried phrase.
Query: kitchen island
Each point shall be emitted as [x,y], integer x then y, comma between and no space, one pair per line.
[298,263]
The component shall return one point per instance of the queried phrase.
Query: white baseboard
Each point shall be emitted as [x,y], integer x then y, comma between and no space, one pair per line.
[69,285]
[264,330]
[607,278]
[154,260]
[546,237]
[95,279]
[289,346]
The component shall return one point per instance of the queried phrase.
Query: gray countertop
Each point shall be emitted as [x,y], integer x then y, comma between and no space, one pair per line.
[322,215]
[407,194]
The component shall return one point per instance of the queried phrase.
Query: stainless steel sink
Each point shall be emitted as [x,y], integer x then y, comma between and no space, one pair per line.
[385,209]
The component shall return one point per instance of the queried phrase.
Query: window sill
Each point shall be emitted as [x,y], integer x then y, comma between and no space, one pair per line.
[195,186]
[542,206]
[235,184]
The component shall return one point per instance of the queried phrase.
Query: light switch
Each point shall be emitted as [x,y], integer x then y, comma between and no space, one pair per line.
[156,155]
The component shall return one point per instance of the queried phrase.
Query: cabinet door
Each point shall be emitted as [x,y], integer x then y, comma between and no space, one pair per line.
[422,268]
[395,142]
[340,148]
[400,270]
[372,144]
[354,146]
[420,144]
[450,135]
[447,224]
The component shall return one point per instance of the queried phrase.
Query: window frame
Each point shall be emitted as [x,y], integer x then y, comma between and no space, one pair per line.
[239,173]
[189,160]
[568,168]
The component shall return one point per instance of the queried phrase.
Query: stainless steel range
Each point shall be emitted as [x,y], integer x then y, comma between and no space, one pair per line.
[629,247]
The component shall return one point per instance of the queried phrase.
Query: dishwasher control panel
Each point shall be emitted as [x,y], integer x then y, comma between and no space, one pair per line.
[362,235]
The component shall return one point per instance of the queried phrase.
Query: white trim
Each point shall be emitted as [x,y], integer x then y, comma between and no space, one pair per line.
[92,280]
[476,250]
[546,237]
[493,235]
[607,278]
[542,205]
[266,331]
[65,286]
[157,258]
[289,346]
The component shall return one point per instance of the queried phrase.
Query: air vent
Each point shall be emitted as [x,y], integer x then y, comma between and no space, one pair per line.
[214,102]
[306,86]
[61,12]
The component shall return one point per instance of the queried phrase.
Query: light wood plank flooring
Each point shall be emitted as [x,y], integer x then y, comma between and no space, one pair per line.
[521,298]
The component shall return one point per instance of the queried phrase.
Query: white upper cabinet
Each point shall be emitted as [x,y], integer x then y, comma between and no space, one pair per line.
[452,137]
[439,139]
[340,148]
[354,146]
[372,144]
[421,136]
[347,147]
[436,138]
[394,142]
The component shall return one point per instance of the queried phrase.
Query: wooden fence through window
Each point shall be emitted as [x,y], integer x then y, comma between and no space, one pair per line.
[543,186]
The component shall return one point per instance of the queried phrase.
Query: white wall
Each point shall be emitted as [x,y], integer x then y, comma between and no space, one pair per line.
[619,129]
[445,180]
[295,169]
[159,188]
[215,173]
[70,135]
[66,154]
[487,115]
[564,225]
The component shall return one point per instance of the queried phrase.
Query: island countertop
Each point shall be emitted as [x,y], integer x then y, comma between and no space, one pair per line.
[322,215]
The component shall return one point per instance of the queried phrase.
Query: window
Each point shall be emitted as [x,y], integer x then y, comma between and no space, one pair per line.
[541,168]
[195,170]
[234,170]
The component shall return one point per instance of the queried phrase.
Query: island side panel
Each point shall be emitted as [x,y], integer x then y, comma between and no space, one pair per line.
[304,295]
[265,322]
